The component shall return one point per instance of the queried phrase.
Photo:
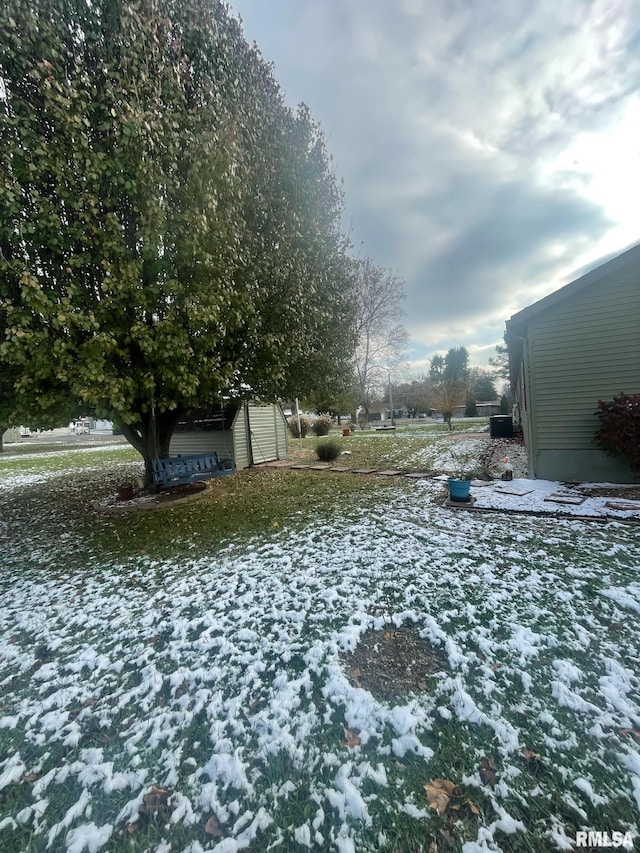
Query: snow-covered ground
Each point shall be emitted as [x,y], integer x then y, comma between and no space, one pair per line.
[219,679]
[548,497]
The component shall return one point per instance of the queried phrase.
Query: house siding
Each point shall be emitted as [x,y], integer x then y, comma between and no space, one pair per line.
[584,348]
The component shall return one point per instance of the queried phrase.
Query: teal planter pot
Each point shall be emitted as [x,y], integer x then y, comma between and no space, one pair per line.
[460,490]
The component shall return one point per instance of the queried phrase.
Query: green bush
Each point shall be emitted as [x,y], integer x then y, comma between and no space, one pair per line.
[322,424]
[293,426]
[328,450]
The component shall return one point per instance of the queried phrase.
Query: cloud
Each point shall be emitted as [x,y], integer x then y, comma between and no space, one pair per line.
[472,139]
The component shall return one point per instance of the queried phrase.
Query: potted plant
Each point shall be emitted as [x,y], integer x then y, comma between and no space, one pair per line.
[460,487]
[460,480]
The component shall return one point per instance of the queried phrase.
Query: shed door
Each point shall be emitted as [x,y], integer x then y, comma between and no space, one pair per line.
[264,434]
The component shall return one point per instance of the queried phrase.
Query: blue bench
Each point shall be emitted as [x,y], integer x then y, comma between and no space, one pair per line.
[178,470]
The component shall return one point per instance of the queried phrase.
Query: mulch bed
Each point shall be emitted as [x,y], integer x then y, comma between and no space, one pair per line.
[393,663]
[630,493]
[153,500]
[179,492]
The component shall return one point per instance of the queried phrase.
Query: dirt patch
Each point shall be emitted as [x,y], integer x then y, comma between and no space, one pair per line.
[393,663]
[630,493]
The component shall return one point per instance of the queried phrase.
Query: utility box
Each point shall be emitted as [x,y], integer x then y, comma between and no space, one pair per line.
[501,426]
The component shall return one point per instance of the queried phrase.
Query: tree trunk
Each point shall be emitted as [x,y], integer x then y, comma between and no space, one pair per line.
[151,438]
[1,444]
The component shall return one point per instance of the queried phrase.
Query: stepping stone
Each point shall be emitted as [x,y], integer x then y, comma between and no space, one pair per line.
[519,491]
[479,484]
[624,505]
[566,498]
[418,476]
[277,463]
[300,467]
[321,467]
[390,473]
[364,470]
[340,470]
[459,504]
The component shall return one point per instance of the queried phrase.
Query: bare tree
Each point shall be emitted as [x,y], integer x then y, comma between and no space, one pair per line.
[500,364]
[380,339]
[450,377]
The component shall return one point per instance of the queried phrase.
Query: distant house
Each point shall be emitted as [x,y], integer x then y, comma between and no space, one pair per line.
[486,408]
[250,433]
[572,348]
[14,434]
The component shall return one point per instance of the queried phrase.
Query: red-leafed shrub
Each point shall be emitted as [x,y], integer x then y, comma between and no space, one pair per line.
[619,430]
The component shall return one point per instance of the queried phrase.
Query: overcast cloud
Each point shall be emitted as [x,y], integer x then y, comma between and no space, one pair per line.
[490,151]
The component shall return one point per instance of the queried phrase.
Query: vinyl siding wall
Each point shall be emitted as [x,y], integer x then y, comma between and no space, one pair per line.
[268,437]
[584,348]
[266,443]
[183,443]
[241,450]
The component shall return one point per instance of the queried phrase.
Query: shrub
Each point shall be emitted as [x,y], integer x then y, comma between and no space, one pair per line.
[322,424]
[293,426]
[619,430]
[328,450]
[470,408]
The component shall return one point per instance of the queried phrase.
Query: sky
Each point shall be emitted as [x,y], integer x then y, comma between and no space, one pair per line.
[490,151]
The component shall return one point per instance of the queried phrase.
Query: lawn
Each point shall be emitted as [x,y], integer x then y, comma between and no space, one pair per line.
[195,678]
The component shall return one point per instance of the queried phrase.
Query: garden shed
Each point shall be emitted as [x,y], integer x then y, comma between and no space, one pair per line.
[566,351]
[248,432]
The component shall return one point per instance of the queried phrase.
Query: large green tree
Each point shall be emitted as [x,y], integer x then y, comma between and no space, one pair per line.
[169,229]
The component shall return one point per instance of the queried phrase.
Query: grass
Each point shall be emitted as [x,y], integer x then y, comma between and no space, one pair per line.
[198,649]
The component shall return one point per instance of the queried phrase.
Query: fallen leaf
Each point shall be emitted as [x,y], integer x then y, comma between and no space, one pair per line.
[473,807]
[355,673]
[131,828]
[488,772]
[157,799]
[351,738]
[633,732]
[30,777]
[212,827]
[529,754]
[439,793]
